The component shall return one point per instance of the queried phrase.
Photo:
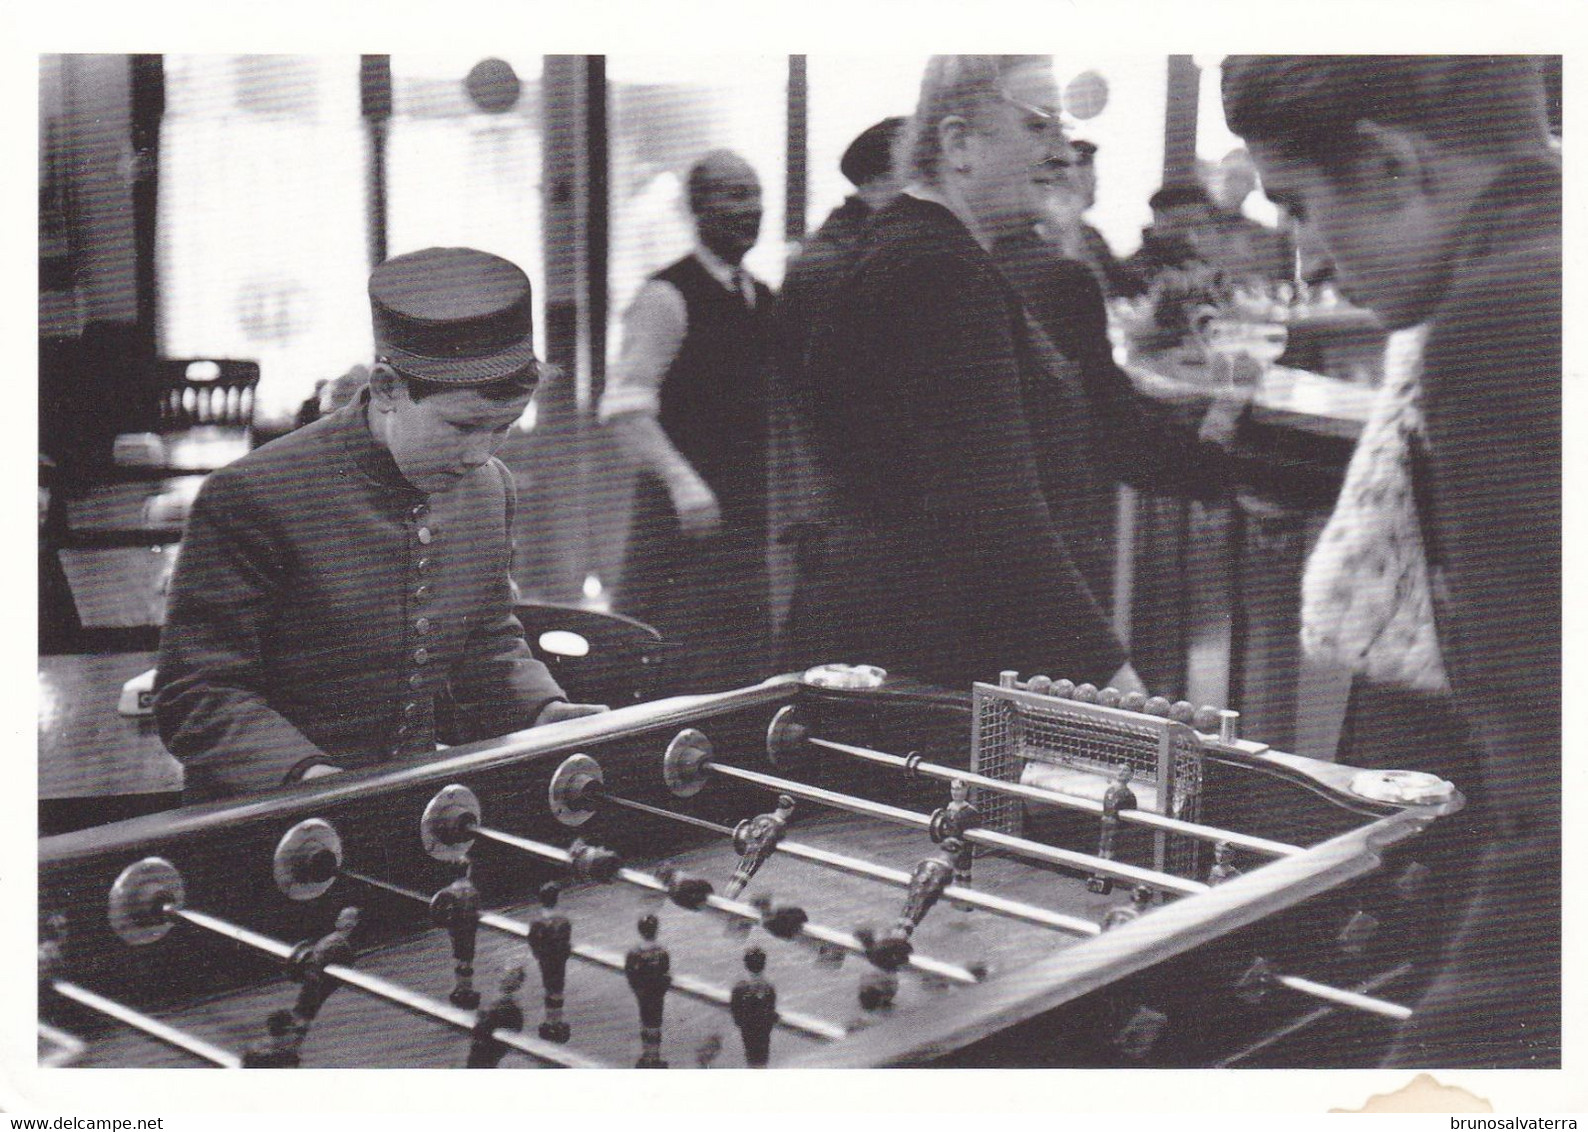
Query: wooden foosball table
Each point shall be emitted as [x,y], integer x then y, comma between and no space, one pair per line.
[841,870]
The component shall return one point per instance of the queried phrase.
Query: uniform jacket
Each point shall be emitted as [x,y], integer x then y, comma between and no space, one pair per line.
[947,563]
[323,610]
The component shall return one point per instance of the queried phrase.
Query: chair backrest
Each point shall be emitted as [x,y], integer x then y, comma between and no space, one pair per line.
[597,657]
[205,391]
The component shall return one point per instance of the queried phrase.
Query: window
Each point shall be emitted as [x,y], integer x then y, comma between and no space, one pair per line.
[463,160]
[847,94]
[1129,138]
[665,112]
[262,247]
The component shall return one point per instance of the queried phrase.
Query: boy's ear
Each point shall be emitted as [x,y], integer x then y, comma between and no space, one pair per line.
[1394,159]
[385,387]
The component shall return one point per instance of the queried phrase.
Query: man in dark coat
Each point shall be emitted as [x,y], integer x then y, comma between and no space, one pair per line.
[344,591]
[835,248]
[799,490]
[686,403]
[1431,181]
[949,556]
[1128,436]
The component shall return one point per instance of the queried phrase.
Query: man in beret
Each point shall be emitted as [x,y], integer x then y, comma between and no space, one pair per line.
[835,247]
[686,403]
[1432,183]
[811,280]
[343,598]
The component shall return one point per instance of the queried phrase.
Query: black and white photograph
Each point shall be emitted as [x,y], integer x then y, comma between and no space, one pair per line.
[796,552]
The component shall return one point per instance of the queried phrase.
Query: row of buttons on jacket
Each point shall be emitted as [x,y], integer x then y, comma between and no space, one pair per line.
[422,626]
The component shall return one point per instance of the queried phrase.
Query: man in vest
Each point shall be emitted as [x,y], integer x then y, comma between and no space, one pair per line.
[687,404]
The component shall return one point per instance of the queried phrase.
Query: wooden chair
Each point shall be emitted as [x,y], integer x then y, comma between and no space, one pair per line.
[601,658]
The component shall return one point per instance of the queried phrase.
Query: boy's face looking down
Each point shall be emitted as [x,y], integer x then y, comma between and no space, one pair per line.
[1381,218]
[439,439]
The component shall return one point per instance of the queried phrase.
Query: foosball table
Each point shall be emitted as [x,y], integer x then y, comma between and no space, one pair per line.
[844,869]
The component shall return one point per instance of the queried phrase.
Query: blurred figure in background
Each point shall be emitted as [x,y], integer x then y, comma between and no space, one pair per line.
[1065,227]
[814,275]
[1247,252]
[1127,436]
[1432,184]
[1181,216]
[686,402]
[330,394]
[951,556]
[836,247]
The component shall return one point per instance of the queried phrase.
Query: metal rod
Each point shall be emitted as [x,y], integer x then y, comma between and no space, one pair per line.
[1018,845]
[1152,878]
[596,789]
[1012,909]
[747,912]
[1355,1001]
[1069,801]
[155,1028]
[684,984]
[391,992]
[231,931]
[456,1017]
[1311,1018]
[67,1046]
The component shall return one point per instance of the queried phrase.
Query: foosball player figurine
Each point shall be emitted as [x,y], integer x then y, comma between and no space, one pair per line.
[279,1050]
[707,1052]
[1140,901]
[756,839]
[753,1005]
[551,942]
[457,908]
[648,967]
[928,881]
[955,820]
[880,984]
[1117,797]
[1223,864]
[309,961]
[52,952]
[782,921]
[504,1013]
[592,862]
[686,890]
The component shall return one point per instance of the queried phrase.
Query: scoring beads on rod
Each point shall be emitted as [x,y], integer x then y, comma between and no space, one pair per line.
[146,901]
[450,826]
[689,758]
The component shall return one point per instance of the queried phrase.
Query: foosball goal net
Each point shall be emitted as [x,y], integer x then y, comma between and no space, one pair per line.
[1076,748]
